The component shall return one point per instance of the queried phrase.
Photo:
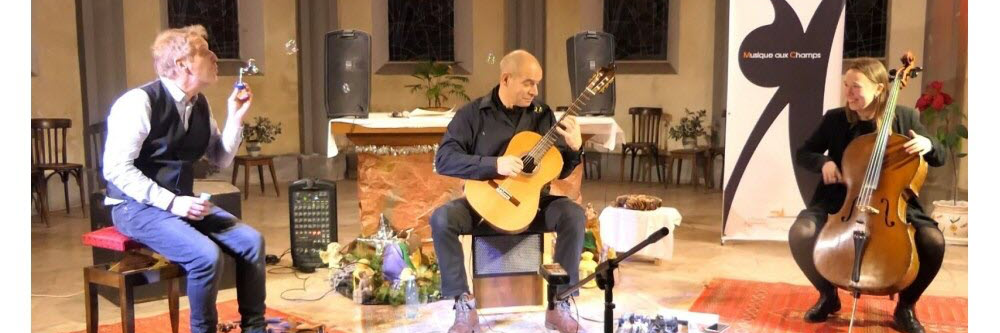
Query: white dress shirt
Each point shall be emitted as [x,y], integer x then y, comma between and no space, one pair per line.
[128,126]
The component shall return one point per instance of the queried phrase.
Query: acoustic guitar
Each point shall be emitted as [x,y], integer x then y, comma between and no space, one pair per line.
[509,204]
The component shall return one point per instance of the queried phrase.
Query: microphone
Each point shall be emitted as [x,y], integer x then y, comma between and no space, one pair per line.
[659,234]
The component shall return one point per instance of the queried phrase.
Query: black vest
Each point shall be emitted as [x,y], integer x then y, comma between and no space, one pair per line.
[169,151]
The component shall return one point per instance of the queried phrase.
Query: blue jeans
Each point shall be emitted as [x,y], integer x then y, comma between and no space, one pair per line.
[198,247]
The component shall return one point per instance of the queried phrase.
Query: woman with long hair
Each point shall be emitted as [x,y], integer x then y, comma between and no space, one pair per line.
[866,91]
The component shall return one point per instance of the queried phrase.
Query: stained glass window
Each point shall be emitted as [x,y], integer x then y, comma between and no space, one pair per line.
[421,30]
[219,17]
[865,24]
[639,27]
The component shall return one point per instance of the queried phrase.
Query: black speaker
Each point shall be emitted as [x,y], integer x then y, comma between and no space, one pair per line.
[313,220]
[348,73]
[586,53]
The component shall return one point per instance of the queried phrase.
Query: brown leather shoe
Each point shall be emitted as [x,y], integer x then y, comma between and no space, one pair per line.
[561,319]
[466,318]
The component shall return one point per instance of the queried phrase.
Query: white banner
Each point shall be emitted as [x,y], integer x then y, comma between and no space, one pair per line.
[784,73]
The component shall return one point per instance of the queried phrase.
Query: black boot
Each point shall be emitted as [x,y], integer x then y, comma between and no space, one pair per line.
[827,304]
[906,319]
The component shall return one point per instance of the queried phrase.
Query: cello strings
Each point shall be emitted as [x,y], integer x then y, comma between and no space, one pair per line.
[876,158]
[871,174]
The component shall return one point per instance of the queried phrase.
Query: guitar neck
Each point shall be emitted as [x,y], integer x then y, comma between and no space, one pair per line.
[551,135]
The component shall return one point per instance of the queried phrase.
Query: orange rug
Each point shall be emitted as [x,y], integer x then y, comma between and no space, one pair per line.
[778,307]
[228,311]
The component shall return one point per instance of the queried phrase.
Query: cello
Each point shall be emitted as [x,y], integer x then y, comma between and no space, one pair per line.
[867,247]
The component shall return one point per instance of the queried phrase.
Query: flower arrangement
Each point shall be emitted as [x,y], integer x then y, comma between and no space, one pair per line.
[374,269]
[944,122]
[690,127]
[263,130]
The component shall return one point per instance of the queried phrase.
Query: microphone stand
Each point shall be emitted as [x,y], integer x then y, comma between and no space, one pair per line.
[606,279]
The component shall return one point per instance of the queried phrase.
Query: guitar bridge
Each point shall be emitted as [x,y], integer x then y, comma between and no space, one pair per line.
[504,194]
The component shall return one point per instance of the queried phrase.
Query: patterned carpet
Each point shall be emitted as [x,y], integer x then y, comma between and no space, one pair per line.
[778,307]
[228,312]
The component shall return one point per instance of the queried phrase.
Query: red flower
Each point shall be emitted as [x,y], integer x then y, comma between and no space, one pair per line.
[936,85]
[938,102]
[923,102]
[933,97]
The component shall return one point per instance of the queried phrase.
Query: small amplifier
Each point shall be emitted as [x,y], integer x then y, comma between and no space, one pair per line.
[312,210]
[506,255]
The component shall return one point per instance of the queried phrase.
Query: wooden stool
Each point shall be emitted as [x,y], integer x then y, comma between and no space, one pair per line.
[260,162]
[125,279]
[692,154]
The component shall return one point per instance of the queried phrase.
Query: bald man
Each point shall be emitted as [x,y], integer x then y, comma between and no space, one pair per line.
[472,149]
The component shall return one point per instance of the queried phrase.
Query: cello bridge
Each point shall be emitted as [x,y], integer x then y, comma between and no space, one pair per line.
[868,209]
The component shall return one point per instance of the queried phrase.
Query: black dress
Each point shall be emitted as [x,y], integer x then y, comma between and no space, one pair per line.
[833,136]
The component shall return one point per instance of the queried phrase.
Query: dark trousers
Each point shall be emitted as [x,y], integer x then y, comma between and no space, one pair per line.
[929,241]
[458,218]
[198,247]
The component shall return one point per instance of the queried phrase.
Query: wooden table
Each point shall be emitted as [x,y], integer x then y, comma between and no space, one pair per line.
[259,161]
[693,154]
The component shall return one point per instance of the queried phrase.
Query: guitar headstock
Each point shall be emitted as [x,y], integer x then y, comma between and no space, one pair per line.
[907,71]
[601,79]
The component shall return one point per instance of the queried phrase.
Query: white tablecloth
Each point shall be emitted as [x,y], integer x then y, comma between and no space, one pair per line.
[606,132]
[623,228]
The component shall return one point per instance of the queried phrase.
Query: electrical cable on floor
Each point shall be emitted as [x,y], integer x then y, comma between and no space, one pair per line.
[303,289]
[57,296]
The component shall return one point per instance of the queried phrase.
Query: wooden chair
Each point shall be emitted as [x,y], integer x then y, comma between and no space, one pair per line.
[48,153]
[646,123]
[133,271]
[39,194]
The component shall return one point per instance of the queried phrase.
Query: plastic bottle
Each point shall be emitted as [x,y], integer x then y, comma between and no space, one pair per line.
[412,297]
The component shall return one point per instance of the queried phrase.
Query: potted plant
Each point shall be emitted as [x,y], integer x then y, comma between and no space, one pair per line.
[262,131]
[689,129]
[944,122]
[437,83]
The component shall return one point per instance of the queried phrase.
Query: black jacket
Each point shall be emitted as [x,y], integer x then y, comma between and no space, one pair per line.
[833,136]
[480,132]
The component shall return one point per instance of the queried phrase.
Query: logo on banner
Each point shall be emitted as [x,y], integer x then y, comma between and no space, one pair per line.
[781,55]
[792,58]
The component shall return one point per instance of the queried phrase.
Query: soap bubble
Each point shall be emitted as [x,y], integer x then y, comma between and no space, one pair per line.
[291,47]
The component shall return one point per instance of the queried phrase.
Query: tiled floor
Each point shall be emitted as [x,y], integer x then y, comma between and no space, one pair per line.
[57,258]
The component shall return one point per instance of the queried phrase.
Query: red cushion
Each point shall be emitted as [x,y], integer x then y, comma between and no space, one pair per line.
[109,238]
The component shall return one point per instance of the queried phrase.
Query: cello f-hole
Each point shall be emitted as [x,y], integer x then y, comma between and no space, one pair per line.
[851,212]
[888,222]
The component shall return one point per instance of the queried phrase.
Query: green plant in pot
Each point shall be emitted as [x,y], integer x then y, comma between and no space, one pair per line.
[437,83]
[689,128]
[944,122]
[262,131]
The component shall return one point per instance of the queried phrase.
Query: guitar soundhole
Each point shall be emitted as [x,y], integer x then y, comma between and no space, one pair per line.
[529,164]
